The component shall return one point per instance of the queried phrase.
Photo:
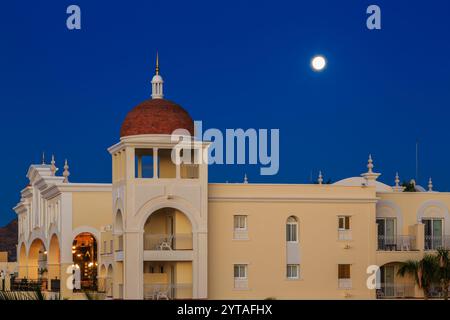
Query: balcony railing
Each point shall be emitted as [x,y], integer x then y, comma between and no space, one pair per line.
[168,291]
[345,283]
[436,291]
[345,234]
[28,285]
[437,242]
[394,290]
[179,241]
[241,283]
[396,243]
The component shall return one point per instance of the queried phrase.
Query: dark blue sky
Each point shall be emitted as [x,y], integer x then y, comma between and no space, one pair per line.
[232,64]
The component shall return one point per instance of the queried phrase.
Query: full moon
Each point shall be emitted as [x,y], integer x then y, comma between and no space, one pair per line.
[318,63]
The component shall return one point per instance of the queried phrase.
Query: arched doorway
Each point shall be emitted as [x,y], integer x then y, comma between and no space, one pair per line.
[168,230]
[394,286]
[53,264]
[37,265]
[84,252]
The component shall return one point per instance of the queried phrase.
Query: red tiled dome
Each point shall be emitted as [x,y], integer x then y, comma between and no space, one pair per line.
[156,116]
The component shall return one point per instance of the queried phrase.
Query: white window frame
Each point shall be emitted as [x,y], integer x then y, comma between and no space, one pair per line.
[297,271]
[241,280]
[239,266]
[237,218]
[343,217]
[345,283]
[240,227]
[290,225]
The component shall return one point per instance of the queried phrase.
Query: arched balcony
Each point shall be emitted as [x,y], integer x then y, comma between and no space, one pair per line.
[168,255]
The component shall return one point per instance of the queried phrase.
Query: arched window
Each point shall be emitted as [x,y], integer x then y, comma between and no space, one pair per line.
[292,229]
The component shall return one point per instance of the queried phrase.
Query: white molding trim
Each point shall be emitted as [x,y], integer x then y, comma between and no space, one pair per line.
[398,213]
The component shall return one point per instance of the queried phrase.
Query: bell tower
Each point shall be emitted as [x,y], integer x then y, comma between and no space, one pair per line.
[160,203]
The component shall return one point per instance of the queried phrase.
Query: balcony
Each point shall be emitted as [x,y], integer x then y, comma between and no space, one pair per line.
[345,283]
[396,243]
[395,291]
[160,242]
[165,291]
[344,234]
[437,242]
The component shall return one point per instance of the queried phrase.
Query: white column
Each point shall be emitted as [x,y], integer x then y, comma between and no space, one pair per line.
[155,163]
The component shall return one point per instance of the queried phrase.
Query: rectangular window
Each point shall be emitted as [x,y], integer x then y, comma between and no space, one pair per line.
[344,222]
[240,222]
[433,233]
[292,271]
[111,246]
[240,277]
[240,271]
[104,247]
[291,232]
[240,228]
[344,228]
[344,278]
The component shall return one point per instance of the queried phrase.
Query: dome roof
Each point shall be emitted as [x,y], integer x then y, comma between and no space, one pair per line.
[359,181]
[156,116]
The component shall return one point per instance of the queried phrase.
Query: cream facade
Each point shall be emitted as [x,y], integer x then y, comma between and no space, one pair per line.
[161,231]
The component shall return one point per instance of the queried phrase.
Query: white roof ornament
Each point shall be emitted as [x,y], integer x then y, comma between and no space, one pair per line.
[157,82]
[397,187]
[66,172]
[53,167]
[430,185]
[370,176]
[320,179]
[370,164]
[245,178]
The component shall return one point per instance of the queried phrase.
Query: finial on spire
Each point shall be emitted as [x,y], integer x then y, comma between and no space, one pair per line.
[66,172]
[43,157]
[245,178]
[397,187]
[320,179]
[157,64]
[370,176]
[157,82]
[430,185]
[370,164]
[53,168]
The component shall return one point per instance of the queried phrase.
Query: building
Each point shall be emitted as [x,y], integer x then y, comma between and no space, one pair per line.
[160,230]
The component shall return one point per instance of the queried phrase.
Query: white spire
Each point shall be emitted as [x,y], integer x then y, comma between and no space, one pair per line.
[245,178]
[397,187]
[370,164]
[430,185]
[157,82]
[53,168]
[370,176]
[320,179]
[66,172]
